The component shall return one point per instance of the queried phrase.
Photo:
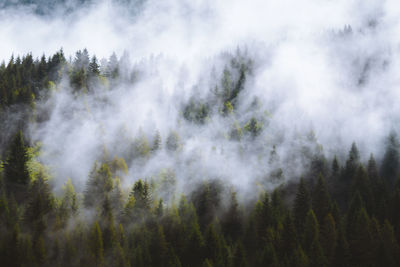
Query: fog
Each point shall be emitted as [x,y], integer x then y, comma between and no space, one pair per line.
[327,67]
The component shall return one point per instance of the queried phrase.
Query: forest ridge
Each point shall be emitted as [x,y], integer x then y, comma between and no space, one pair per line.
[333,212]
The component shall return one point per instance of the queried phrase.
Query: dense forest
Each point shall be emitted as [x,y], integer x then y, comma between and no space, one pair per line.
[335,211]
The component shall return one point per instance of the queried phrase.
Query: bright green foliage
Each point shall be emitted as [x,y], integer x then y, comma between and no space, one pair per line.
[228,108]
[253,127]
[118,166]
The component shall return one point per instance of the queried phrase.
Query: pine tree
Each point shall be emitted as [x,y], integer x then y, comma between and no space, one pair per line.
[108,225]
[321,202]
[328,237]
[117,198]
[40,252]
[15,168]
[347,178]
[263,214]
[372,170]
[311,242]
[156,142]
[335,167]
[40,204]
[213,246]
[194,247]
[240,258]
[342,253]
[289,238]
[231,223]
[96,246]
[362,185]
[389,251]
[69,202]
[391,159]
[94,68]
[301,206]
[173,140]
[160,246]
[99,184]
[360,240]
[142,196]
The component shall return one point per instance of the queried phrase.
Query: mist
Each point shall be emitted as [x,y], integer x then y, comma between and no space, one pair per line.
[319,74]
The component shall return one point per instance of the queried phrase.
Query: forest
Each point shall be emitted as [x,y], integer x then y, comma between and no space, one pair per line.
[334,211]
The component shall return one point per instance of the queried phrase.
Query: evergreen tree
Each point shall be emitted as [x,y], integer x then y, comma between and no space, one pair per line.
[156,142]
[240,258]
[328,237]
[213,246]
[301,205]
[231,223]
[342,253]
[311,239]
[160,246]
[40,252]
[16,169]
[142,196]
[40,204]
[94,68]
[321,202]
[96,246]
[389,250]
[359,237]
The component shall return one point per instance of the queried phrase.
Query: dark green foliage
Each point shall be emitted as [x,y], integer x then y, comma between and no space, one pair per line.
[141,193]
[231,222]
[94,67]
[391,160]
[196,112]
[350,219]
[206,200]
[39,205]
[96,246]
[302,205]
[321,201]
[328,237]
[352,163]
[98,185]
[15,168]
[389,249]
[311,240]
